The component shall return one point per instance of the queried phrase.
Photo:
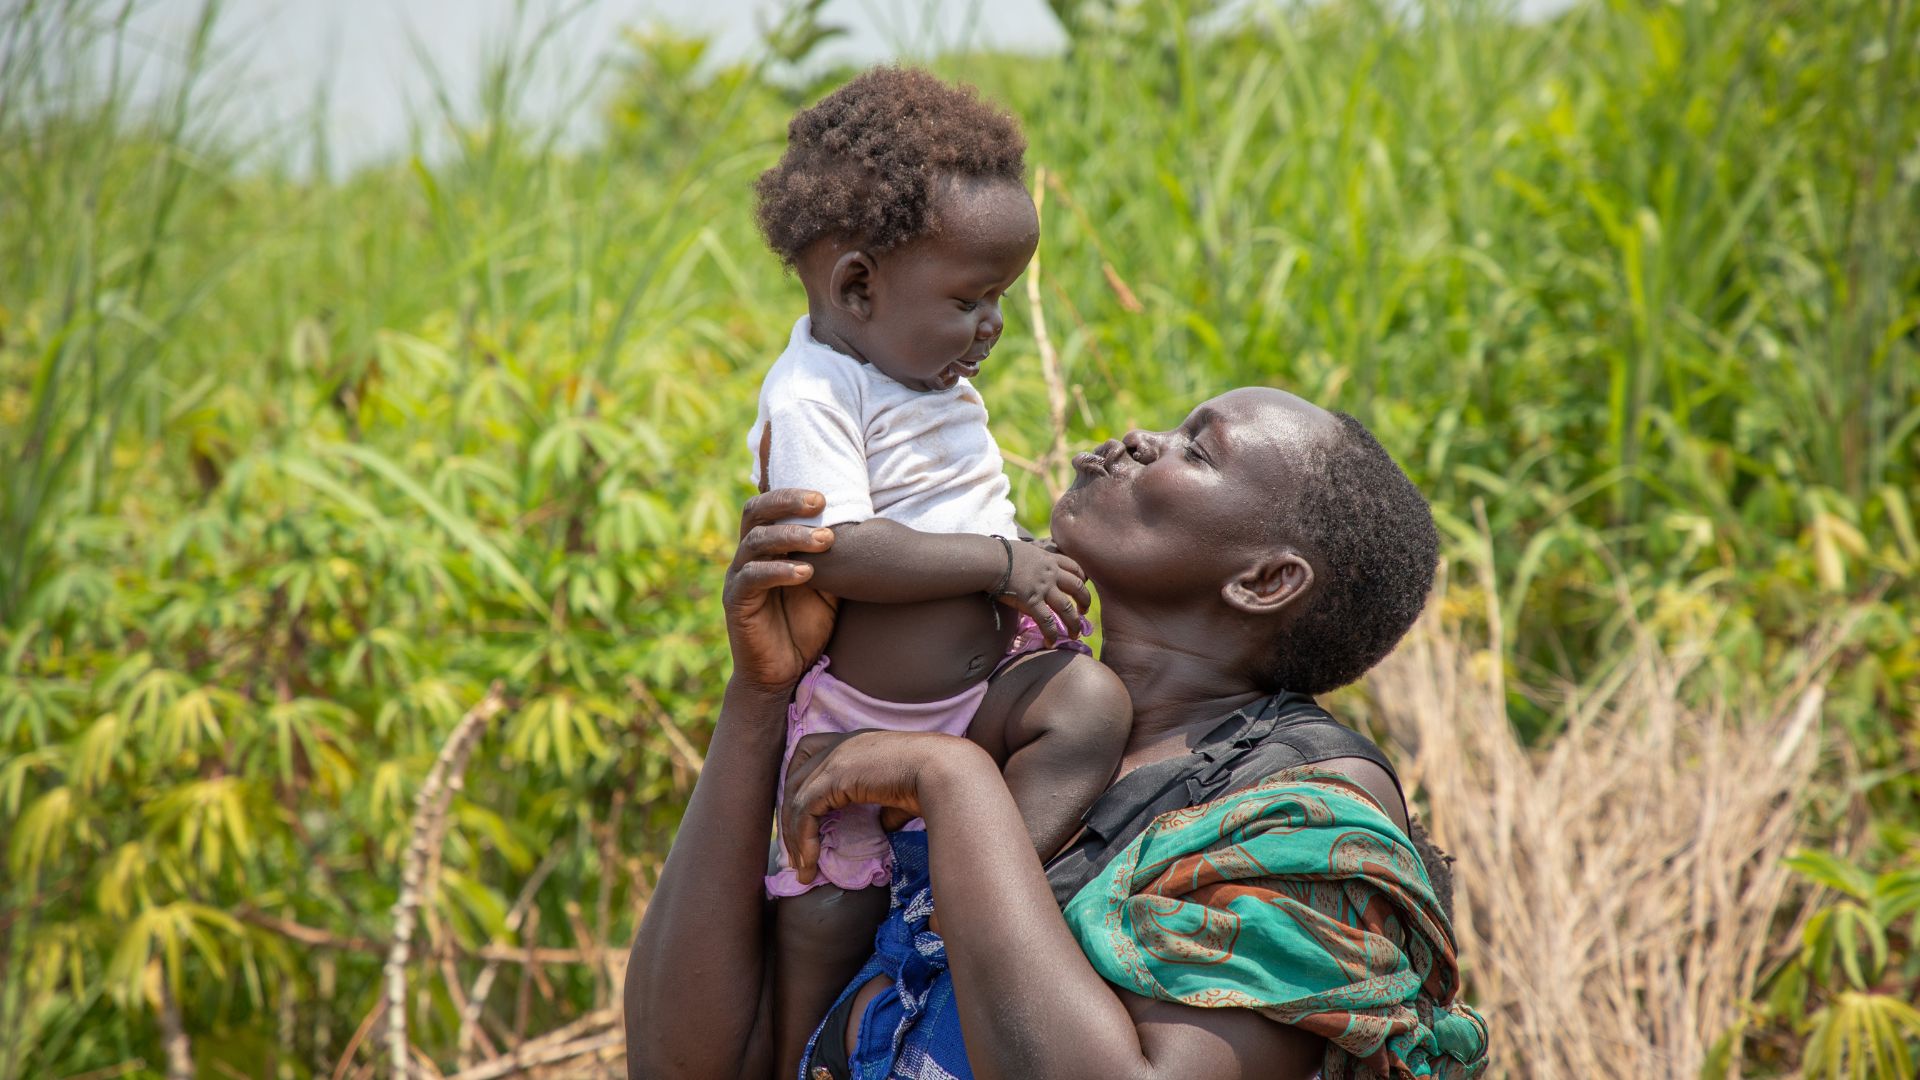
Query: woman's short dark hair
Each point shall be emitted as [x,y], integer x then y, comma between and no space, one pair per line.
[866,161]
[1370,535]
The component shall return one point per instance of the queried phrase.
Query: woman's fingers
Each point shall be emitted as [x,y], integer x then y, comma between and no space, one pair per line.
[800,835]
[804,751]
[772,506]
[771,574]
[828,772]
[763,541]
[799,822]
[803,848]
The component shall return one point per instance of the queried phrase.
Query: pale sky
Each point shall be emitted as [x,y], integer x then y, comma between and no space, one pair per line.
[279,54]
[372,57]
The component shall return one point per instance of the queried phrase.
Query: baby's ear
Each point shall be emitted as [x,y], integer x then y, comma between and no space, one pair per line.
[851,286]
[1273,583]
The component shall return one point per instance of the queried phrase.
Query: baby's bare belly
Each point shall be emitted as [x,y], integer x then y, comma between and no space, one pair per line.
[918,652]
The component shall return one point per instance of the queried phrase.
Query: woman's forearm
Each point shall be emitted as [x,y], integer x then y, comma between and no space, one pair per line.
[1031,1005]
[694,994]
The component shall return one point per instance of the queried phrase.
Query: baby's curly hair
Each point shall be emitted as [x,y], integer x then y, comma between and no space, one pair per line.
[865,161]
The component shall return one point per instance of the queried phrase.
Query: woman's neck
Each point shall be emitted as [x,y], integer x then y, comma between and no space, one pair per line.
[1180,680]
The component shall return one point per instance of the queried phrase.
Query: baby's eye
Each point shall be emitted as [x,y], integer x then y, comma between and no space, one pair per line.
[969,305]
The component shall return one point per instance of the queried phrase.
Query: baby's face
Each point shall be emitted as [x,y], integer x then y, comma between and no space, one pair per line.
[933,304]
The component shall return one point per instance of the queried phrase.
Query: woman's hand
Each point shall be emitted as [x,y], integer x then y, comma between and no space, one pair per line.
[777,624]
[868,766]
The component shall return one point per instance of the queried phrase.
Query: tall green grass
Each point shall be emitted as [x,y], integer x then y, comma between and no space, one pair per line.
[295,468]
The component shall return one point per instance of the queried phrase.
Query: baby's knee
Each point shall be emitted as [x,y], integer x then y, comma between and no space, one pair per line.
[1087,705]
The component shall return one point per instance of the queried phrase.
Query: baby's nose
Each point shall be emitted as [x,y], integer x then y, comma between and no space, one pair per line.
[990,326]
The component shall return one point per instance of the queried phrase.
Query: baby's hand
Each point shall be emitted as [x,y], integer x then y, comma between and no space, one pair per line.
[1049,588]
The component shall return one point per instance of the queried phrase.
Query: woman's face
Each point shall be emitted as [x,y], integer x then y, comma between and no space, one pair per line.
[1173,515]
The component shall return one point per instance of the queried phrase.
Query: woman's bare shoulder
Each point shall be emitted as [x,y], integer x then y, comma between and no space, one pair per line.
[1378,782]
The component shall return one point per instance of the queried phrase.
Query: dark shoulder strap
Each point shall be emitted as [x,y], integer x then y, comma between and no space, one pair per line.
[1280,732]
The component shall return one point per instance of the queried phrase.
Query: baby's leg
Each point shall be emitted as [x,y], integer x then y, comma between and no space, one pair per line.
[820,940]
[1057,722]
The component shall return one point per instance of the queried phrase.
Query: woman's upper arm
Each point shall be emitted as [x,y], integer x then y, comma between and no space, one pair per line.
[1190,1043]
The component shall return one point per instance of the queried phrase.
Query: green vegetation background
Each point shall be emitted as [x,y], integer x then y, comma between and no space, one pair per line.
[294,469]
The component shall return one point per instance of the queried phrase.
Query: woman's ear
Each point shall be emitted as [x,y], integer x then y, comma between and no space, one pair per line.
[850,288]
[1272,584]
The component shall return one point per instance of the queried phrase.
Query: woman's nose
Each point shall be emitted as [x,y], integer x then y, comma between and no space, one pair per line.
[1144,446]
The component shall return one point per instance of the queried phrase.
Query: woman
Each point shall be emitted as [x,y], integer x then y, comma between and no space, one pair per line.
[1264,544]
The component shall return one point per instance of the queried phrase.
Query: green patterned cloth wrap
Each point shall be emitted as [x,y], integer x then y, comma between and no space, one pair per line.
[1300,899]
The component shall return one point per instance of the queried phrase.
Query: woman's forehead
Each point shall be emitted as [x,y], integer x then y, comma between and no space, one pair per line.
[1260,414]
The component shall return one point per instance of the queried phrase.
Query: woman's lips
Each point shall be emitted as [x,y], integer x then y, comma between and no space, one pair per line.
[1100,461]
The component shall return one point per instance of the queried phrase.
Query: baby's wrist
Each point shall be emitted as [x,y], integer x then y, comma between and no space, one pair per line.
[999,565]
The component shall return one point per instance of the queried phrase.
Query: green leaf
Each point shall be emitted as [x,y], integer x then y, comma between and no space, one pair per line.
[1825,868]
[1858,1036]
[460,528]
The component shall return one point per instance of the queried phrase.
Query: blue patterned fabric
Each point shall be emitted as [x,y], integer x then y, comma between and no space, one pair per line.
[911,1030]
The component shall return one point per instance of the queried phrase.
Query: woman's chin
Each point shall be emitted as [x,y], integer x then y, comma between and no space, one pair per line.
[1066,523]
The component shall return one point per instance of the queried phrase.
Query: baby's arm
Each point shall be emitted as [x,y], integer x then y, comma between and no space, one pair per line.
[1057,722]
[885,562]
[876,560]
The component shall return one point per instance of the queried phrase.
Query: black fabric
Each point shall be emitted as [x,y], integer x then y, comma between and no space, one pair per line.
[829,1061]
[1254,742]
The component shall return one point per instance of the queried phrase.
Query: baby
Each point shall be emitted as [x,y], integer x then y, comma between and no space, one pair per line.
[900,205]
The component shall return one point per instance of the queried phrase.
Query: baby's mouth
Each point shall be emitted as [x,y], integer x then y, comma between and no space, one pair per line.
[969,365]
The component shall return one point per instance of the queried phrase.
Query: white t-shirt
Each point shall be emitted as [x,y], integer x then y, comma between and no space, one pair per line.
[875,448]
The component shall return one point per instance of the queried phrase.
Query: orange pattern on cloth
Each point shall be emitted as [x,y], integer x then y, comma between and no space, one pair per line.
[1297,898]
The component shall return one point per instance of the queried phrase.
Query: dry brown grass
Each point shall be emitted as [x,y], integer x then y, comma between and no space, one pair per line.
[1616,888]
